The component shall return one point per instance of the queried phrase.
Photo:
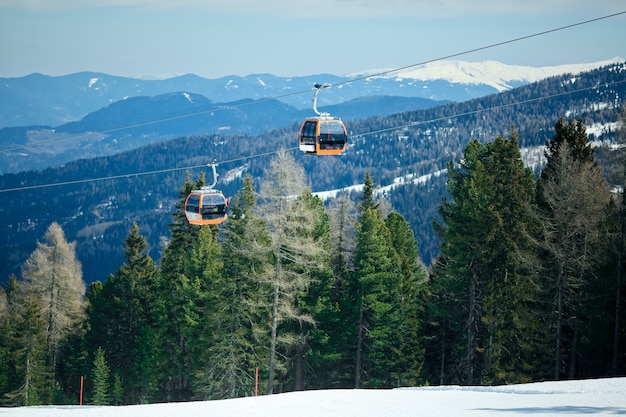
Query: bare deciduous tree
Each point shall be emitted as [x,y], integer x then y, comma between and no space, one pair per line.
[54,275]
[293,250]
[576,196]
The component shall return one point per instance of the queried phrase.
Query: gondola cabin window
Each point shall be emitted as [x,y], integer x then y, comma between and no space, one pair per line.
[193,204]
[308,132]
[332,135]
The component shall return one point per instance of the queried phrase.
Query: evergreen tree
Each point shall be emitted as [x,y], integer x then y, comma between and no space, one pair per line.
[390,290]
[411,304]
[25,341]
[511,299]
[117,394]
[175,307]
[574,134]
[379,280]
[482,284]
[100,377]
[367,200]
[340,320]
[204,313]
[121,316]
[236,348]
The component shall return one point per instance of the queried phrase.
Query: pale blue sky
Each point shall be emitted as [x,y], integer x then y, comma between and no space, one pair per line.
[215,38]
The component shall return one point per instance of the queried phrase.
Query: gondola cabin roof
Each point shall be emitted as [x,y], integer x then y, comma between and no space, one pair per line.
[323,135]
[206,207]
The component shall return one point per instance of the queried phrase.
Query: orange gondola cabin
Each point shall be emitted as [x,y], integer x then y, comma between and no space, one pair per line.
[206,207]
[323,135]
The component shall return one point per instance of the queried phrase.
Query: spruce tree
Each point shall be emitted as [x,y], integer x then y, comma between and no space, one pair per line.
[339,320]
[367,200]
[379,281]
[202,312]
[237,347]
[411,303]
[100,379]
[482,284]
[117,393]
[121,316]
[25,341]
[175,307]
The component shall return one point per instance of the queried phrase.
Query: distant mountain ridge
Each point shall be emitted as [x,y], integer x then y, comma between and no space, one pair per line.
[119,114]
[38,99]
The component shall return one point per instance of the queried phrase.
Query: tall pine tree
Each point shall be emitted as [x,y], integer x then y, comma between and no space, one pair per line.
[176,311]
[411,304]
[482,283]
[121,316]
[100,379]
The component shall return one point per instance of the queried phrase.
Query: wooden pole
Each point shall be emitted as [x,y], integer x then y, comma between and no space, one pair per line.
[256,382]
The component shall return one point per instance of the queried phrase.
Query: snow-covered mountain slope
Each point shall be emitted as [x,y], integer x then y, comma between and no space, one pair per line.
[500,76]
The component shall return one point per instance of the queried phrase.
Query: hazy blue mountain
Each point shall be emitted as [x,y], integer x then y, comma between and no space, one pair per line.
[103,114]
[38,99]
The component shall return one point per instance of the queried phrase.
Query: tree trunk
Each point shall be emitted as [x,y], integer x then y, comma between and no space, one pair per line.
[571,373]
[559,326]
[270,376]
[471,336]
[299,365]
[620,266]
[359,348]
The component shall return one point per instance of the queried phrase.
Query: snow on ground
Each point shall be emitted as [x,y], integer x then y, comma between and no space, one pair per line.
[598,397]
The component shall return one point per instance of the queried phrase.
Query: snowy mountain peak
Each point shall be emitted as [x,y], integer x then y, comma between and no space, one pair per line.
[500,76]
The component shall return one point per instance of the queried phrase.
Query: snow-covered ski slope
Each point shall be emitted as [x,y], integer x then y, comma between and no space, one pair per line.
[599,397]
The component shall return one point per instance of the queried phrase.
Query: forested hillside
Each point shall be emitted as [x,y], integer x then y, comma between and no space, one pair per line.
[528,287]
[96,200]
[139,121]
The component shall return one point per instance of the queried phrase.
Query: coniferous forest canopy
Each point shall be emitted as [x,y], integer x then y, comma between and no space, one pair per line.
[526,284]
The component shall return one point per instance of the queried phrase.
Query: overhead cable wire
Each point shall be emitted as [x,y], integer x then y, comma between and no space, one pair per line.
[278,97]
[135,174]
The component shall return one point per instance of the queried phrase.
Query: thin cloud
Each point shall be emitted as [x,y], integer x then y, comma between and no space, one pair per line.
[333,8]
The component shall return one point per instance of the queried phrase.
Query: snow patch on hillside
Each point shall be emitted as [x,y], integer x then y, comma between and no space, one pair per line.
[533,157]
